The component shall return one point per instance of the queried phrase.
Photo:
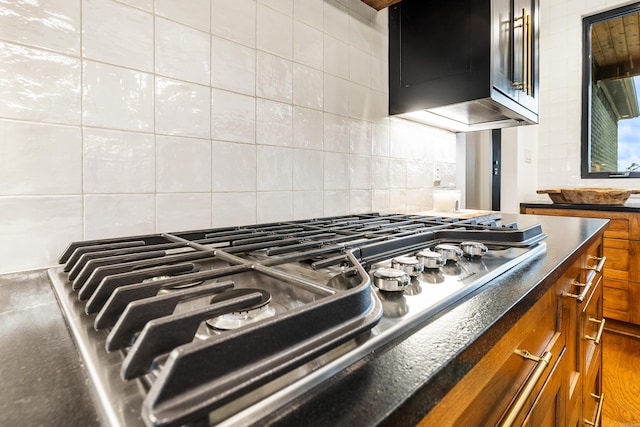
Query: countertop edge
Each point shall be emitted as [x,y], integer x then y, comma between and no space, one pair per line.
[384,389]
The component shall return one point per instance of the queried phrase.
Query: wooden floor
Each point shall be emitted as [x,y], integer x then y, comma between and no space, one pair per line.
[621,380]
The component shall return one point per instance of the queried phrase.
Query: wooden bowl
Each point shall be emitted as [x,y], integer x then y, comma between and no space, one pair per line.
[589,196]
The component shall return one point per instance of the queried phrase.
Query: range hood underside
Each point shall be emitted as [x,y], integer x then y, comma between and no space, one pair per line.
[478,114]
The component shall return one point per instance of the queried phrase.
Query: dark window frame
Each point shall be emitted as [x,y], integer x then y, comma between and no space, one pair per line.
[585,138]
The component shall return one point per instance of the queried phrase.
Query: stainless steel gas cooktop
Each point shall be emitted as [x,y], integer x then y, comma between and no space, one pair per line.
[219,326]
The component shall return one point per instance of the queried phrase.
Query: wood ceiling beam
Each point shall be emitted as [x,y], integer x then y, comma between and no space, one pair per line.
[380,4]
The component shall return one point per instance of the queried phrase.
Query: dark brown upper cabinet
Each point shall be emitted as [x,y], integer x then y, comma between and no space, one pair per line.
[465,64]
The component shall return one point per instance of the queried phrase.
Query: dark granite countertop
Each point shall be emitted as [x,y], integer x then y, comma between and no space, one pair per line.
[631,205]
[44,382]
[397,385]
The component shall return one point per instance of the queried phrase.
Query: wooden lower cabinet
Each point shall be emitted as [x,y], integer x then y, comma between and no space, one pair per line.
[541,372]
[621,285]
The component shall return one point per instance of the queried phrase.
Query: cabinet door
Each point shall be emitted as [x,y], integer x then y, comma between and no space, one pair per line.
[548,410]
[525,46]
[503,55]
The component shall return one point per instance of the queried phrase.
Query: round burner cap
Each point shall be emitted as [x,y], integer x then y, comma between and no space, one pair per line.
[473,249]
[430,259]
[449,252]
[391,279]
[409,264]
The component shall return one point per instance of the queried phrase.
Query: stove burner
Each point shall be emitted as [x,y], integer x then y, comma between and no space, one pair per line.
[473,249]
[391,279]
[409,264]
[235,320]
[449,252]
[431,260]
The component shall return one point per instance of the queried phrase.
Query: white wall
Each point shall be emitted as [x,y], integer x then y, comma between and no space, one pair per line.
[137,116]
[558,134]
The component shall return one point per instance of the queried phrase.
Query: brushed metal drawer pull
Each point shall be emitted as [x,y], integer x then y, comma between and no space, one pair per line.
[598,412]
[598,337]
[598,268]
[580,297]
[542,362]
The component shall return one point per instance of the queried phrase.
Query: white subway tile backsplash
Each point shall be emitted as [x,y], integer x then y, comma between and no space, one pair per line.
[274,123]
[336,20]
[419,174]
[336,57]
[335,100]
[380,173]
[35,230]
[237,175]
[360,32]
[397,173]
[380,201]
[182,52]
[118,162]
[116,98]
[195,13]
[131,45]
[310,12]
[275,206]
[308,45]
[178,212]
[54,25]
[336,133]
[233,117]
[360,101]
[416,198]
[39,85]
[308,128]
[182,108]
[183,165]
[38,158]
[284,6]
[233,66]
[112,215]
[274,168]
[140,4]
[139,116]
[380,138]
[360,172]
[380,20]
[307,87]
[274,31]
[336,202]
[359,137]
[307,204]
[360,66]
[232,209]
[379,74]
[336,171]
[234,20]
[274,79]
[398,200]
[360,201]
[308,169]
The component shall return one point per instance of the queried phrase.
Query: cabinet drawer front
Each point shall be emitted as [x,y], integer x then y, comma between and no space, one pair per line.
[622,225]
[593,399]
[486,393]
[592,328]
[548,410]
[618,253]
[616,300]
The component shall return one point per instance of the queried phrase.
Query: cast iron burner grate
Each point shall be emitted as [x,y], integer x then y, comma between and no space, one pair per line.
[149,300]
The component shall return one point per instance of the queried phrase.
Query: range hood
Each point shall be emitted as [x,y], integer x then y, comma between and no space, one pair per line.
[480,114]
[464,65]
